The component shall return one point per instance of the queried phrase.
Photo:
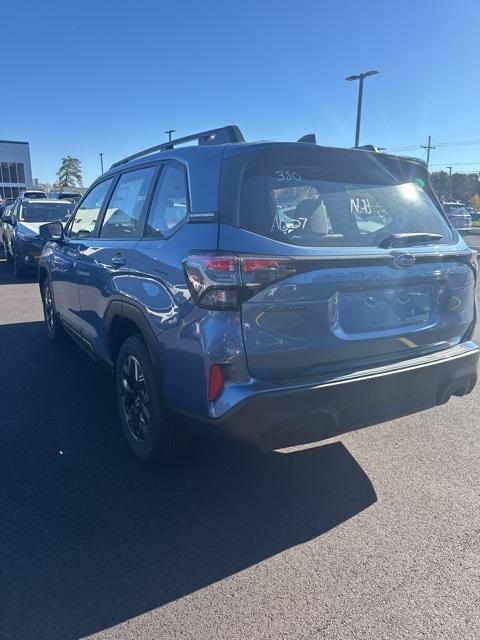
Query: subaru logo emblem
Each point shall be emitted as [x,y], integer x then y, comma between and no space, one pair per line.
[403,261]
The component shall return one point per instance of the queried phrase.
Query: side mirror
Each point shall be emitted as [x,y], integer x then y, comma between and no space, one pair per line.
[51,231]
[8,220]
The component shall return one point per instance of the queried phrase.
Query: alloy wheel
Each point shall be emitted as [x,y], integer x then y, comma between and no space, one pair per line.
[49,310]
[134,397]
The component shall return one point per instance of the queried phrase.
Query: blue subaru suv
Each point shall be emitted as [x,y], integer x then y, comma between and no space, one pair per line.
[280,293]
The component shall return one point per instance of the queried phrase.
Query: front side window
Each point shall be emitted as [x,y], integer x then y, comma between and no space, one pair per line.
[170,203]
[122,218]
[86,217]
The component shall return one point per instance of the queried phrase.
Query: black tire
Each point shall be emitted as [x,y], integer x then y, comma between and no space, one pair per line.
[55,330]
[150,431]
[18,270]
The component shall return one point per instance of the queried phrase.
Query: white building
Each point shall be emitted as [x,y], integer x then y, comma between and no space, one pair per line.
[15,168]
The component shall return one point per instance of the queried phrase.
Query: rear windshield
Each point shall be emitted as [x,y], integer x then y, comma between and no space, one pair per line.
[35,195]
[349,204]
[50,212]
[69,196]
[455,208]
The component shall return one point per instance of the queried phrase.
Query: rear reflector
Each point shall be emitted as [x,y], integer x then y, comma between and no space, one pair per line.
[215,382]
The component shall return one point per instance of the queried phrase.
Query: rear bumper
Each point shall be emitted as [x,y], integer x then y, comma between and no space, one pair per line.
[301,414]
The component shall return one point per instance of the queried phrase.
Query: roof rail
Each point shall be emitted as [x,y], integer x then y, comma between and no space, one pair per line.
[223,135]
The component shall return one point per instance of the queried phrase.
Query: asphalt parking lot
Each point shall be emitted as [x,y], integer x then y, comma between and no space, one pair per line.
[372,535]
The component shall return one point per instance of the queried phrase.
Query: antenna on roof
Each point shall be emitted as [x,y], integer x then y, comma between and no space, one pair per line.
[223,135]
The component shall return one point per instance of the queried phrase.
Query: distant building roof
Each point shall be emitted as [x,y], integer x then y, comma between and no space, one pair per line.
[13,142]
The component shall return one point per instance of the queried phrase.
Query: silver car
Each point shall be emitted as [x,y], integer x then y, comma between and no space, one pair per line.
[458,215]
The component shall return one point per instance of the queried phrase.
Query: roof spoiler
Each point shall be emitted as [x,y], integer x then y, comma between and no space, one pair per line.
[369,147]
[311,138]
[223,135]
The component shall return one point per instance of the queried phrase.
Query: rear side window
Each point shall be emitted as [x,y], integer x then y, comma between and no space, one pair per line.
[350,204]
[122,218]
[86,216]
[170,203]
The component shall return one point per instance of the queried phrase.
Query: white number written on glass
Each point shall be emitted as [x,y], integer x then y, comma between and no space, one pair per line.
[287,176]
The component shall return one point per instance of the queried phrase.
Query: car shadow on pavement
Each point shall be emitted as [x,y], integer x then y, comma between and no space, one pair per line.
[90,537]
[7,276]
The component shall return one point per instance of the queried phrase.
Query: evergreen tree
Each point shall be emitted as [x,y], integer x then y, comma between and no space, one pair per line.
[70,173]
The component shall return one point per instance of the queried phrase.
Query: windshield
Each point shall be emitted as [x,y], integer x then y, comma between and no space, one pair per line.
[46,212]
[313,206]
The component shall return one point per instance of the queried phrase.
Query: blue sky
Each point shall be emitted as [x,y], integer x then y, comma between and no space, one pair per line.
[90,77]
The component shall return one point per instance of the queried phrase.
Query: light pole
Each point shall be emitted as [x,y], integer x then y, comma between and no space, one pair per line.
[101,161]
[361,77]
[169,133]
[448,181]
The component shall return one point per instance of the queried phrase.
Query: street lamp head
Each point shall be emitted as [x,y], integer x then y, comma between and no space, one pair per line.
[360,76]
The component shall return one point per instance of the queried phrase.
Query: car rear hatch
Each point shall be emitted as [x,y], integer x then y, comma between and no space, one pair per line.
[345,260]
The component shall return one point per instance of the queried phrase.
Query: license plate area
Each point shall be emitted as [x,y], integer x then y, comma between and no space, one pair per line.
[383,309]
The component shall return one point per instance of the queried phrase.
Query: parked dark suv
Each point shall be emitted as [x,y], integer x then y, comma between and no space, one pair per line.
[278,292]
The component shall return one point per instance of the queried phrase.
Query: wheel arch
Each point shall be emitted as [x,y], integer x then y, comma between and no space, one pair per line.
[42,275]
[123,320]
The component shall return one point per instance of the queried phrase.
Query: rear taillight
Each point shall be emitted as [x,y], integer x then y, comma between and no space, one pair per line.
[213,280]
[258,273]
[223,281]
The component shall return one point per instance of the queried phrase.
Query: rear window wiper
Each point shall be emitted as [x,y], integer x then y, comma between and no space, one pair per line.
[408,239]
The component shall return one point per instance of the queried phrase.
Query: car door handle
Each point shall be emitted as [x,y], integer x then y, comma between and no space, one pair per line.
[118,260]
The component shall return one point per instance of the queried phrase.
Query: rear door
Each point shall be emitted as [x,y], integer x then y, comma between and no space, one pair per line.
[341,301]
[157,281]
